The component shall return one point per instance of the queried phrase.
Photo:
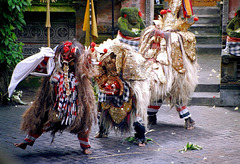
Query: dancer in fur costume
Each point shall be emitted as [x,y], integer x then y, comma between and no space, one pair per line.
[170,48]
[65,100]
[163,69]
[117,101]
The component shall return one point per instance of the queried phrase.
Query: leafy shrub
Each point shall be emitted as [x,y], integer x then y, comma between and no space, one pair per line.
[11,18]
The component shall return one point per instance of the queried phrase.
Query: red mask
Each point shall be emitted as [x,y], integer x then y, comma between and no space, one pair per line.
[111,87]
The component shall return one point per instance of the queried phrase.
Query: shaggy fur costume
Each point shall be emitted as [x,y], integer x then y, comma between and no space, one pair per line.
[179,86]
[164,67]
[41,111]
[152,78]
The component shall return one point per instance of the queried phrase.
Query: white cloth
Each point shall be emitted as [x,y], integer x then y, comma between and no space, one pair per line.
[27,66]
[233,48]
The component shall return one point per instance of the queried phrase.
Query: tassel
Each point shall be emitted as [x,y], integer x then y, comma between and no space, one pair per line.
[187,8]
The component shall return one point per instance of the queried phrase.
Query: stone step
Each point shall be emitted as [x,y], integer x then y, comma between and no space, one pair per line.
[206,10]
[209,19]
[207,88]
[206,19]
[202,29]
[209,39]
[214,46]
[206,94]
[205,99]
[200,11]
[208,49]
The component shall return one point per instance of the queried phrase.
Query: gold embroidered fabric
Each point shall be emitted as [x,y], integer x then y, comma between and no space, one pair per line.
[134,67]
[66,79]
[118,113]
[189,44]
[176,55]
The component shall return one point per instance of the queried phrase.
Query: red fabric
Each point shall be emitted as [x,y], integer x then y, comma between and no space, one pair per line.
[34,135]
[85,146]
[128,37]
[154,107]
[28,140]
[42,66]
[182,108]
[232,39]
[83,139]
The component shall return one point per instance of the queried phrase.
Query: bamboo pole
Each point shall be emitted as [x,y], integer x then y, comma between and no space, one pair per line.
[113,30]
[90,20]
[48,24]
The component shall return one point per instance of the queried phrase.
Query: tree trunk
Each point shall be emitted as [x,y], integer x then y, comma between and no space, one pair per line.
[4,82]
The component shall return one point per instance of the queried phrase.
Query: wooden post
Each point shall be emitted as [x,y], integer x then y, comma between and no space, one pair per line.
[90,20]
[48,24]
[113,19]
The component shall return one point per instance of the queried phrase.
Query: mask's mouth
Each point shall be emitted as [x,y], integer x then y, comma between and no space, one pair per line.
[67,58]
[158,35]
[95,62]
[110,88]
[155,46]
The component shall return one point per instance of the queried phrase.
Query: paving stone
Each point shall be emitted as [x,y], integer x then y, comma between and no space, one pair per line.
[217,132]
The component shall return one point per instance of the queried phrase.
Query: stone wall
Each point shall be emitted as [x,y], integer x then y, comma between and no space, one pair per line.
[145,6]
[140,4]
[103,10]
[104,15]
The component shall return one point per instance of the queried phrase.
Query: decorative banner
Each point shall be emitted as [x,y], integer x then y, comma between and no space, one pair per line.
[187,8]
[90,25]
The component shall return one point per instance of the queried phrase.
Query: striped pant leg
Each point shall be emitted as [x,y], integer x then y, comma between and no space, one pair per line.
[84,140]
[152,112]
[31,138]
[183,111]
[153,108]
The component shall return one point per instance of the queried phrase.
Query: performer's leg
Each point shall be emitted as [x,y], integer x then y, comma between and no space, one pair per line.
[31,137]
[103,130]
[84,142]
[140,131]
[103,127]
[29,140]
[152,112]
[185,114]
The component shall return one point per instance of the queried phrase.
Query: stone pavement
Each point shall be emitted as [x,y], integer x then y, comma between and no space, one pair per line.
[209,68]
[216,131]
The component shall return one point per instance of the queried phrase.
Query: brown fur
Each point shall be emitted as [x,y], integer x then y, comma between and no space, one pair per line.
[37,114]
[86,98]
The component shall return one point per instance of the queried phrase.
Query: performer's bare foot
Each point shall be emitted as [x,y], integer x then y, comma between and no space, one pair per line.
[98,135]
[21,145]
[87,151]
[189,123]
[141,144]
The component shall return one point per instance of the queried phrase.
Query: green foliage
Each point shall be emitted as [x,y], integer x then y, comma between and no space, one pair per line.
[133,139]
[190,146]
[11,18]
